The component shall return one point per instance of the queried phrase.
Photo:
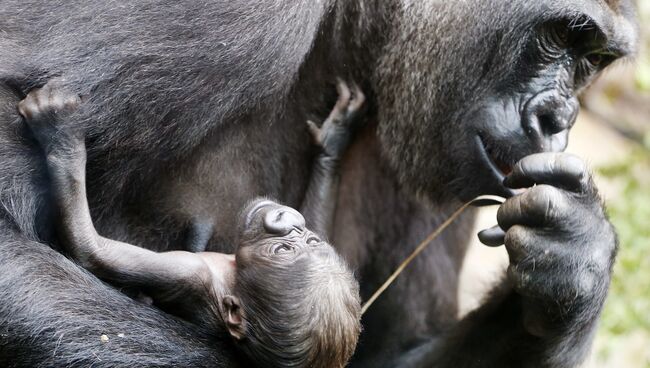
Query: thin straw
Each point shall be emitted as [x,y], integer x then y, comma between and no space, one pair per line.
[481,199]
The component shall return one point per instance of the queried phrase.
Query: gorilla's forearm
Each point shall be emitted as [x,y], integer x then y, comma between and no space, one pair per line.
[54,313]
[495,335]
[561,249]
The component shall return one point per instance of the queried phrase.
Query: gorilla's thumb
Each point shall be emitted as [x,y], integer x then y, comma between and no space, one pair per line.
[492,237]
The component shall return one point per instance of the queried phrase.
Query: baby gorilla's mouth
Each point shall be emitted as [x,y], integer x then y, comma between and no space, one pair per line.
[500,165]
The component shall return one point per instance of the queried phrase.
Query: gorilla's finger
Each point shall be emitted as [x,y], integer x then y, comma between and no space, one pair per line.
[531,256]
[538,206]
[492,237]
[562,170]
[518,241]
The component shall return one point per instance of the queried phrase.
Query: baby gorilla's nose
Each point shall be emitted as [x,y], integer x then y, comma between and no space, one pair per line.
[282,220]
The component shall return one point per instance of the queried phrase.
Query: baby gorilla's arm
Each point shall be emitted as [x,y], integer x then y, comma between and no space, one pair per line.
[166,277]
[333,138]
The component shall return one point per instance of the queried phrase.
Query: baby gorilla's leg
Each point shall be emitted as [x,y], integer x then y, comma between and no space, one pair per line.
[333,138]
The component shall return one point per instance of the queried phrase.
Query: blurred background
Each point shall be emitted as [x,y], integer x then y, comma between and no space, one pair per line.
[613,135]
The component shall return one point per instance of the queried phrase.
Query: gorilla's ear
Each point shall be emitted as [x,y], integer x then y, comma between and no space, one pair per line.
[234,318]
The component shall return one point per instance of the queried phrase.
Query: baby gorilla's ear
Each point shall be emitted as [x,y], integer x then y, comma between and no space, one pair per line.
[234,318]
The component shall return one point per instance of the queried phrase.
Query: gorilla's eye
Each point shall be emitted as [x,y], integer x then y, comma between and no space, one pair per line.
[595,59]
[282,248]
[313,240]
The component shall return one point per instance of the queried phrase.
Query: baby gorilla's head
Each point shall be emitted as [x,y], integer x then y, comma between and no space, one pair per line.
[295,302]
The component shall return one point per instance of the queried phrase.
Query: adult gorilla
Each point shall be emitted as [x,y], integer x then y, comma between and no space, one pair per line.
[195,107]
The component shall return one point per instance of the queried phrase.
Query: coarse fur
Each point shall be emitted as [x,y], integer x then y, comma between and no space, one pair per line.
[193,108]
[286,297]
[320,325]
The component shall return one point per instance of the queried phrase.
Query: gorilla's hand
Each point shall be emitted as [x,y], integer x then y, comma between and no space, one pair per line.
[337,130]
[559,241]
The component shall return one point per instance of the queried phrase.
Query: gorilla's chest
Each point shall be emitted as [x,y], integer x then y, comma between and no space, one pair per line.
[207,191]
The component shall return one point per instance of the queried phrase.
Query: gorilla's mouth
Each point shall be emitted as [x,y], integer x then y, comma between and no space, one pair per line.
[490,154]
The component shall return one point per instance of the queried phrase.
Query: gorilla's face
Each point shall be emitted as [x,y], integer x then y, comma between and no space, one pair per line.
[458,118]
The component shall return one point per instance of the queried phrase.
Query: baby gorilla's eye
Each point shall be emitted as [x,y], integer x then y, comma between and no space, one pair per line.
[313,240]
[282,248]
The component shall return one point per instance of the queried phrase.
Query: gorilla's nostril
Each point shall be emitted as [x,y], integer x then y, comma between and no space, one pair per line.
[278,216]
[551,124]
[548,114]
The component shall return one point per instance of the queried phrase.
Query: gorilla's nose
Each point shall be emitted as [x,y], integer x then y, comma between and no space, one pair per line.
[549,114]
[283,220]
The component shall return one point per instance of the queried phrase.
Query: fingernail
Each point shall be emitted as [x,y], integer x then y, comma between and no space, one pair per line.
[492,237]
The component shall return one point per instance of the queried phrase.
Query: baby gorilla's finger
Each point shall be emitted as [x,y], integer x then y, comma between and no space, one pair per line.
[541,205]
[561,170]
[31,107]
[314,131]
[358,100]
[58,98]
[340,108]
[71,103]
[344,94]
[492,237]
[26,107]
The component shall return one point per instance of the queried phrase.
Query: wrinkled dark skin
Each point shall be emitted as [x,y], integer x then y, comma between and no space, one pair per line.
[538,224]
[183,105]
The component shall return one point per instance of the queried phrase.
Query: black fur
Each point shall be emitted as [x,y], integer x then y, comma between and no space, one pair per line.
[193,108]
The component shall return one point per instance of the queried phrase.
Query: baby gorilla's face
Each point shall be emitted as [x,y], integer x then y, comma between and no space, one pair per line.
[292,293]
[278,232]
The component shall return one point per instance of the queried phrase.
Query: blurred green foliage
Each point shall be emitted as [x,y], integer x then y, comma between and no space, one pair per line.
[643,76]
[627,311]
[626,317]
[643,66]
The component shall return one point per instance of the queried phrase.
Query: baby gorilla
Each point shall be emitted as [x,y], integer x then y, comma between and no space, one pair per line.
[286,296]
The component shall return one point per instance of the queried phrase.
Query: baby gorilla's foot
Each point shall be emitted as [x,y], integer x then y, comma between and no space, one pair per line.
[335,134]
[44,110]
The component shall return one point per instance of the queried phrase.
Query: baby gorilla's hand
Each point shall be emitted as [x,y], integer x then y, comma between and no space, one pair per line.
[44,110]
[335,134]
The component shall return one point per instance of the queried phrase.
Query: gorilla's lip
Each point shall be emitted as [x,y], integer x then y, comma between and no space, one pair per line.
[497,164]
[499,169]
